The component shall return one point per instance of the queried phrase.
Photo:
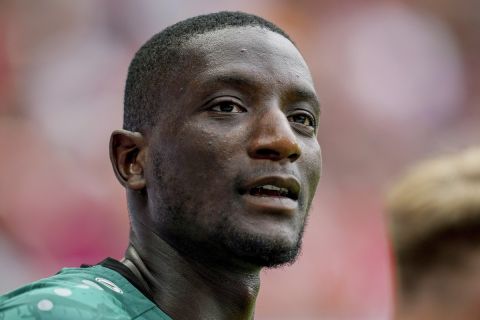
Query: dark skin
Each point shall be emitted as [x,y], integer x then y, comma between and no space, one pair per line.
[221,186]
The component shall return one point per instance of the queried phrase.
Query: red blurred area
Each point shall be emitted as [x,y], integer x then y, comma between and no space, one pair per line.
[398,80]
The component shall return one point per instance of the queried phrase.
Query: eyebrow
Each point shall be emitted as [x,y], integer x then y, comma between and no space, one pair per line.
[307,95]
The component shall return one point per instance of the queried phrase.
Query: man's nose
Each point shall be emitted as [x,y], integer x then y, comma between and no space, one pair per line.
[273,138]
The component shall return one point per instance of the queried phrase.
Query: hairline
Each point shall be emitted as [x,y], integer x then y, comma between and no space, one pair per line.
[185,47]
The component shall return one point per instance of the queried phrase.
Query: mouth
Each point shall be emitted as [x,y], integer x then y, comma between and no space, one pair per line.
[274,192]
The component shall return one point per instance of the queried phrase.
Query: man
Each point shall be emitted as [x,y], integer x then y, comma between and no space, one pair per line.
[220,161]
[434,219]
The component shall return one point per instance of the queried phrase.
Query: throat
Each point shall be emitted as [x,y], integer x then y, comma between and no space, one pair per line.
[188,290]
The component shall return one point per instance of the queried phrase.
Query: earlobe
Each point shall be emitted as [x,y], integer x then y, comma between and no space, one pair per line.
[127,154]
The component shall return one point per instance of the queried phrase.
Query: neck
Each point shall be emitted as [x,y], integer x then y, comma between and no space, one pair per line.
[186,288]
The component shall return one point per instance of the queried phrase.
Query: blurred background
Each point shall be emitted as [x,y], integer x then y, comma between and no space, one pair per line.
[398,80]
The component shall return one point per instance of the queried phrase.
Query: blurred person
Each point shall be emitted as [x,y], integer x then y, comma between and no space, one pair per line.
[220,161]
[434,221]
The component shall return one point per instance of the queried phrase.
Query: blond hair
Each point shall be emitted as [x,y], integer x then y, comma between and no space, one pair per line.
[433,215]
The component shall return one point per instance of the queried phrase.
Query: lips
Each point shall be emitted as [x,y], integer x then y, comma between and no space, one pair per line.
[274,186]
[272,194]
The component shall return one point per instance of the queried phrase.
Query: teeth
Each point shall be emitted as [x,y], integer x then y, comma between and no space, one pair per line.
[273,188]
[270,190]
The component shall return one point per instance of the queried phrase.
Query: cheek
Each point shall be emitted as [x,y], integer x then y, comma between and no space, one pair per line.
[318,162]
[201,162]
[211,147]
[313,167]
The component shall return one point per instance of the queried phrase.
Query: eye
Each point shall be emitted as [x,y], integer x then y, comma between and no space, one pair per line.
[227,107]
[304,119]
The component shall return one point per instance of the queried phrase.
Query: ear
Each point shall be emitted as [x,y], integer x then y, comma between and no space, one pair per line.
[127,154]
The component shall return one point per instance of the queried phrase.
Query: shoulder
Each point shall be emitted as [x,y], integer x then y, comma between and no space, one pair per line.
[76,293]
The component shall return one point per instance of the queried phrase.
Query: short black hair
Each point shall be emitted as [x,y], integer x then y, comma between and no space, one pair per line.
[160,55]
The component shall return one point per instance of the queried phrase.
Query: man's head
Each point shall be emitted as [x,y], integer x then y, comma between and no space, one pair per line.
[220,158]
[434,220]
[157,62]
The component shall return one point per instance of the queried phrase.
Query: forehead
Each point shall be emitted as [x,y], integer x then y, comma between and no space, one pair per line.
[251,50]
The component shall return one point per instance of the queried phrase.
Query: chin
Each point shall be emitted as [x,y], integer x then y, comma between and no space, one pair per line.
[262,250]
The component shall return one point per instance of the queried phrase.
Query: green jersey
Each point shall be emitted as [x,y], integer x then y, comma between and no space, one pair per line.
[96,293]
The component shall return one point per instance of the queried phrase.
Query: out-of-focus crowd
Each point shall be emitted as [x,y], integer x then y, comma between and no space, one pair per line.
[398,80]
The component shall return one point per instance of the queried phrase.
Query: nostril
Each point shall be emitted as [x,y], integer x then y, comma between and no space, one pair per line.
[294,156]
[267,153]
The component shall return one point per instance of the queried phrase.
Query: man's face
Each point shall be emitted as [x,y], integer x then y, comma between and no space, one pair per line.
[234,162]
